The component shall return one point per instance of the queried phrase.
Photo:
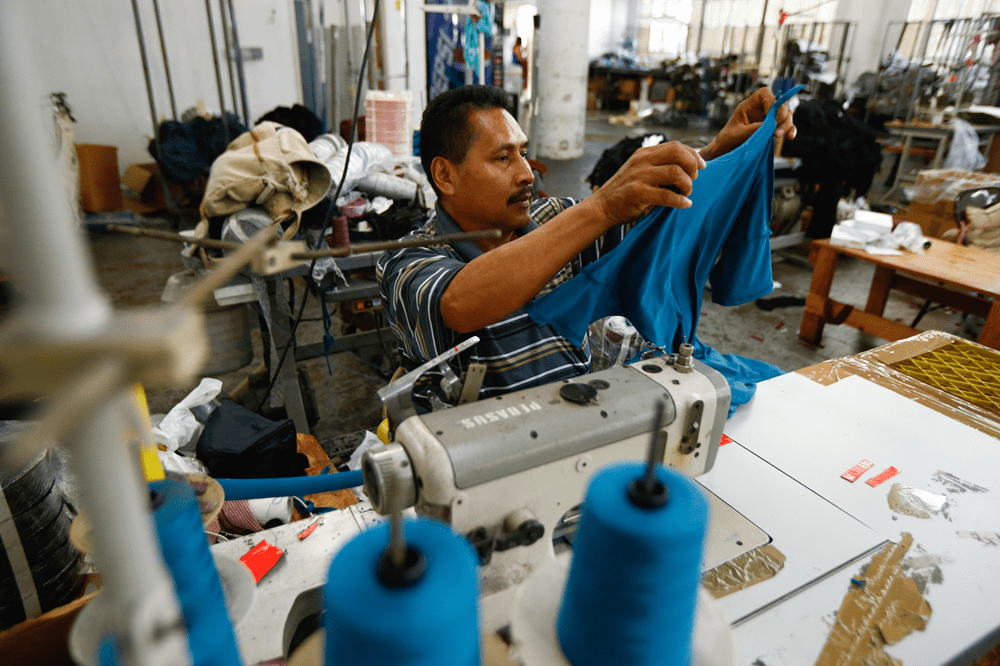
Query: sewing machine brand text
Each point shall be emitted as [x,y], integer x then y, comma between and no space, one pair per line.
[499,414]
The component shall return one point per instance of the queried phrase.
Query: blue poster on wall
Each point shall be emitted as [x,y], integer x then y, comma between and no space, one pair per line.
[447,46]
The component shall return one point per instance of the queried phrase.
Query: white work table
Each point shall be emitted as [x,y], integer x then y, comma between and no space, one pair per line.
[783,470]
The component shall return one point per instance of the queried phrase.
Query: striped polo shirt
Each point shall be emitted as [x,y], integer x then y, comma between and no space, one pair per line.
[517,352]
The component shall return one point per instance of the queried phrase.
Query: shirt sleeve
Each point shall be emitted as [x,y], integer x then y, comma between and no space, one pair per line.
[412,282]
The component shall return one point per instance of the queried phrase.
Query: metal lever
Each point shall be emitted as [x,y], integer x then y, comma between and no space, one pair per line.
[397,397]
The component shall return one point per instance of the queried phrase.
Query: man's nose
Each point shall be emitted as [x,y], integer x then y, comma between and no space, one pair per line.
[525,176]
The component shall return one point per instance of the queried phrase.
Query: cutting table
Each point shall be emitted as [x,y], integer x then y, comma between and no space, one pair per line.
[801,432]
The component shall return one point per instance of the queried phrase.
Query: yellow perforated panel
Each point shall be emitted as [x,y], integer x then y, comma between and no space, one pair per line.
[962,369]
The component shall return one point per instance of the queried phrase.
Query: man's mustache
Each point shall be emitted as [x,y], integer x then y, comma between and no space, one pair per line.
[523,192]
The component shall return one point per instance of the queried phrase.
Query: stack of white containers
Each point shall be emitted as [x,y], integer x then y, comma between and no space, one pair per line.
[389,120]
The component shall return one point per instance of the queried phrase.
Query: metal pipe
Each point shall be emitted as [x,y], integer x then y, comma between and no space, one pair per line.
[229,54]
[42,246]
[760,36]
[377,246]
[238,54]
[145,67]
[137,588]
[53,269]
[843,47]
[166,61]
[218,71]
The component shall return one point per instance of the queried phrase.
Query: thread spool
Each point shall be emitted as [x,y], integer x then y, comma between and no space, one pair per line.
[199,590]
[432,622]
[632,591]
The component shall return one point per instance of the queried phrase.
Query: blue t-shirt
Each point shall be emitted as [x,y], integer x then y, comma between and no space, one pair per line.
[656,277]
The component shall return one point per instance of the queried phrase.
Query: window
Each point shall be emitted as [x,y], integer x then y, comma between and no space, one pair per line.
[665,24]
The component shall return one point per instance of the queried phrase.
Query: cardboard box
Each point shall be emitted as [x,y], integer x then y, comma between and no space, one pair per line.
[933,218]
[99,188]
[145,181]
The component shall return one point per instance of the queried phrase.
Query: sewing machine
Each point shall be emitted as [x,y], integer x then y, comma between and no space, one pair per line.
[508,472]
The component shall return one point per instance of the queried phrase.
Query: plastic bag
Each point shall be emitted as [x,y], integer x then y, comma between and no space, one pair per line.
[179,427]
[963,153]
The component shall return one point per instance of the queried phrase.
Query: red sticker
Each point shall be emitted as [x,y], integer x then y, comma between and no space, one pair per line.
[309,530]
[887,474]
[261,559]
[855,472]
[725,439]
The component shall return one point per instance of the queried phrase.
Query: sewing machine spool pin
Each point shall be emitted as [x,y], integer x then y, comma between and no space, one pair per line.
[649,492]
[400,565]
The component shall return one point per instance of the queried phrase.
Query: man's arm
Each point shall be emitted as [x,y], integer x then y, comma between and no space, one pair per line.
[498,283]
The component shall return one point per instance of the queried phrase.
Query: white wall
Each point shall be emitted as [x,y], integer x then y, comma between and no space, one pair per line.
[871,17]
[88,49]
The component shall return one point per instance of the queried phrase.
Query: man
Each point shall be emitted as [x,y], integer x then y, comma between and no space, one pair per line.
[475,156]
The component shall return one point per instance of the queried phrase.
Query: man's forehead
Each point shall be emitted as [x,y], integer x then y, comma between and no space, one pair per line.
[493,128]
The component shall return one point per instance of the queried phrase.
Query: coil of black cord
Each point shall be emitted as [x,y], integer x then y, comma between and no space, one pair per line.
[42,516]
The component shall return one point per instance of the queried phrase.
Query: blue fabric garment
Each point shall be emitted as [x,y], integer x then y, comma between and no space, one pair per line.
[656,277]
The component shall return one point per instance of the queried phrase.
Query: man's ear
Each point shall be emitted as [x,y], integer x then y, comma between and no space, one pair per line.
[445,175]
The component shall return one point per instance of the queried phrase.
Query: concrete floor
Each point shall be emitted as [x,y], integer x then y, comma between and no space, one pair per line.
[134,270]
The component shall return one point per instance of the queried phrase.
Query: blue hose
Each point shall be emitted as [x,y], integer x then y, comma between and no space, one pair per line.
[241,489]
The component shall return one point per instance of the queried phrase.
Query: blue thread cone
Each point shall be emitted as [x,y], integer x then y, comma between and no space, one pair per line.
[199,590]
[632,590]
[434,622]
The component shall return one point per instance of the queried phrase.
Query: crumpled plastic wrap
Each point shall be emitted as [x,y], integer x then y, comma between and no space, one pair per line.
[934,185]
[179,427]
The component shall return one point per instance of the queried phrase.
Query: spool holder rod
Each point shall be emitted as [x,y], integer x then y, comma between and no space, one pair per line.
[648,492]
[400,565]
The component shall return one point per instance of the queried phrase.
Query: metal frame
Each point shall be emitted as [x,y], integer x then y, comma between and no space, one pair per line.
[947,46]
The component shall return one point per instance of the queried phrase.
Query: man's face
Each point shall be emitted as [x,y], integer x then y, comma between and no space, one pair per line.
[491,189]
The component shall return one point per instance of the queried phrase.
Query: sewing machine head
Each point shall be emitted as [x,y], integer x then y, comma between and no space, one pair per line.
[505,471]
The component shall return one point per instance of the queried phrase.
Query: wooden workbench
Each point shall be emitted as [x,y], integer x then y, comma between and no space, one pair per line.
[965,278]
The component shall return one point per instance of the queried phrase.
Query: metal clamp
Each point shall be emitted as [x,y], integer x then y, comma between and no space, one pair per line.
[397,397]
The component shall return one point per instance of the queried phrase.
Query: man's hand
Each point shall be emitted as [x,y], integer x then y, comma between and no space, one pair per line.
[745,121]
[642,182]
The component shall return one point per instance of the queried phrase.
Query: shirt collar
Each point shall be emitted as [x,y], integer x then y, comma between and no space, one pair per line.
[444,224]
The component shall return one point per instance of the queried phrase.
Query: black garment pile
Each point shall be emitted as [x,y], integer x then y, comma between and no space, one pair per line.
[614,157]
[187,149]
[401,218]
[298,117]
[839,154]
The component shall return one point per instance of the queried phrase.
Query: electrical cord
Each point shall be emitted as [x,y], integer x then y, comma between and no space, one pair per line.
[329,214]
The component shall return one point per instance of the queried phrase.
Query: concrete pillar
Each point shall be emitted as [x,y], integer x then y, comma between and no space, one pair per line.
[562,79]
[392,16]
[871,19]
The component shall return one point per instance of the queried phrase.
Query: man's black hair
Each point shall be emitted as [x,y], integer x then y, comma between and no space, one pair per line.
[444,127]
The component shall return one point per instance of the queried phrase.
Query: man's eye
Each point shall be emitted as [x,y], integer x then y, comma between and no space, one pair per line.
[503,158]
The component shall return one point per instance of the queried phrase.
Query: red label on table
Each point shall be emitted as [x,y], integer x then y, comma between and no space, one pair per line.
[887,474]
[725,439]
[309,530]
[261,559]
[855,472]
